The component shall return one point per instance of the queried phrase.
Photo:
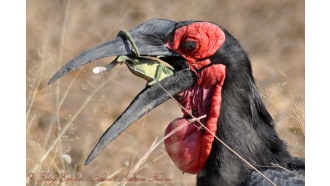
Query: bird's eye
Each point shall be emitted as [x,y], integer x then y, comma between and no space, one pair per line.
[188,45]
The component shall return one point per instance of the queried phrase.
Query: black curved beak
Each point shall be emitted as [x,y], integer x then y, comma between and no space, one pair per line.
[144,102]
[150,38]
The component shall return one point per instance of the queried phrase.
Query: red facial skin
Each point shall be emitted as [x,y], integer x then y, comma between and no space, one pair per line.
[190,147]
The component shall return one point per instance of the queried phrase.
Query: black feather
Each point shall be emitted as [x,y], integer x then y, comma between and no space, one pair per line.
[247,127]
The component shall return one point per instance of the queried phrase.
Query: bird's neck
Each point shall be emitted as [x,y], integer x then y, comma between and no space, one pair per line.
[246,126]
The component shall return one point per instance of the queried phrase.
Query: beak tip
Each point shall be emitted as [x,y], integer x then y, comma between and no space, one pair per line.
[88,161]
[93,154]
[51,80]
[54,78]
[63,71]
[90,158]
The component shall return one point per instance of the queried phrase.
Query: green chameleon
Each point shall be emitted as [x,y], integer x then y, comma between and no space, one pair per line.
[146,68]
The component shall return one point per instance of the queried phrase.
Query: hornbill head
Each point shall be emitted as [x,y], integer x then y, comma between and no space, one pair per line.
[200,53]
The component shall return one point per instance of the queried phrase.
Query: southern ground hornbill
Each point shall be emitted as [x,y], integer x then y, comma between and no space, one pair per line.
[212,81]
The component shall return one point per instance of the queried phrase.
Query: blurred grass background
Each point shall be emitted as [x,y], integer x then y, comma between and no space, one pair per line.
[65,120]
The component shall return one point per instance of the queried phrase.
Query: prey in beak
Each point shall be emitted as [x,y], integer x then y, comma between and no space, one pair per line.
[149,68]
[150,39]
[135,48]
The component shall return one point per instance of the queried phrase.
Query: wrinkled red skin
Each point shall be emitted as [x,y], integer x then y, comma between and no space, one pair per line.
[190,147]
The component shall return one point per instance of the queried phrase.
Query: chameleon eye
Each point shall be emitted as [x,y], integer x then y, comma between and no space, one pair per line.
[188,46]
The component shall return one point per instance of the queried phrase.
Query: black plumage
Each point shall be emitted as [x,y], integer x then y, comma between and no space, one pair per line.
[247,127]
[244,123]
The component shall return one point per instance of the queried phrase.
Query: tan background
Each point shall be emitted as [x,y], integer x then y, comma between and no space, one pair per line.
[82,105]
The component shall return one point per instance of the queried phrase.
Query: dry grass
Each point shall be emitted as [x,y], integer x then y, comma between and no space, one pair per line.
[65,120]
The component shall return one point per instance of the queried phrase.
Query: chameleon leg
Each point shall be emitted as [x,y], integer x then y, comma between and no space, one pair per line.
[108,67]
[158,73]
[127,35]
